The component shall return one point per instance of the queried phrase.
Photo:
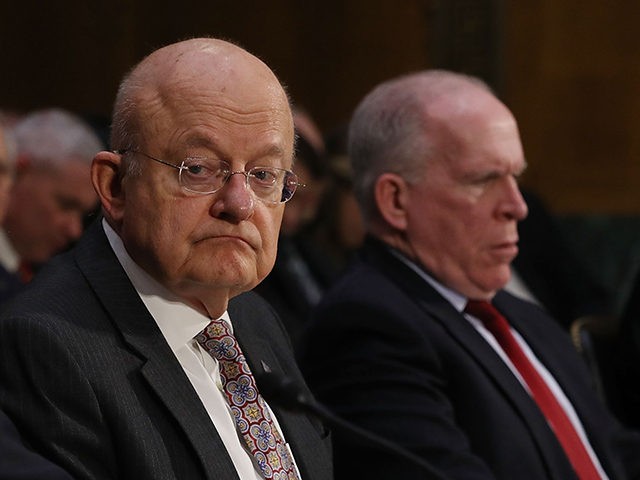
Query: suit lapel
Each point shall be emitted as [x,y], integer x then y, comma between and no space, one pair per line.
[504,379]
[551,350]
[160,369]
[468,338]
[438,308]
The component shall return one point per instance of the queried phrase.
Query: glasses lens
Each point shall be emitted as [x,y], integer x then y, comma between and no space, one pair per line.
[289,186]
[203,175]
[274,185]
[264,182]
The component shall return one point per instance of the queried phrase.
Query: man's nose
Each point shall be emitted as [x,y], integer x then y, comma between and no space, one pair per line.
[514,206]
[235,200]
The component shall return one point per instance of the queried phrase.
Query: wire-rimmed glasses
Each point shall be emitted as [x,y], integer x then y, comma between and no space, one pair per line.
[206,176]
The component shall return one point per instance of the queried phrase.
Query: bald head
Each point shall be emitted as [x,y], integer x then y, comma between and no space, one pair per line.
[450,100]
[191,73]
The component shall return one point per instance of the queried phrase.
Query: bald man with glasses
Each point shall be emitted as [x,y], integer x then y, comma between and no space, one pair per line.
[144,341]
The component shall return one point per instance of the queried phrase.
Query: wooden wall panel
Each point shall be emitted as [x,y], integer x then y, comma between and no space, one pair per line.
[569,70]
[572,71]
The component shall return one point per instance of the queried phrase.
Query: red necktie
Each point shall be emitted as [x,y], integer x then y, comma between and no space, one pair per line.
[544,397]
[249,409]
[25,271]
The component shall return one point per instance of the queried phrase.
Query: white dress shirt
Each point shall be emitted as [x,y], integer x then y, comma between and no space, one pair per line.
[179,323]
[459,302]
[9,258]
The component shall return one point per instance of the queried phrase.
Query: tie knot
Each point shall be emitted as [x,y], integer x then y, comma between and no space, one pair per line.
[480,308]
[486,312]
[218,340]
[217,328]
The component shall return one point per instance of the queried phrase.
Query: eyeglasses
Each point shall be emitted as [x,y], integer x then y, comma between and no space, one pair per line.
[206,176]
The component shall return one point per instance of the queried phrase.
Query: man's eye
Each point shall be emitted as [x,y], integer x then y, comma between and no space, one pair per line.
[195,169]
[264,176]
[203,169]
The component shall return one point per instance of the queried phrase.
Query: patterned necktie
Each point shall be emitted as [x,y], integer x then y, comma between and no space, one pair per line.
[249,409]
[544,397]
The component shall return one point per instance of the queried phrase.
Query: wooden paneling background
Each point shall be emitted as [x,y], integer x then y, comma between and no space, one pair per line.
[569,70]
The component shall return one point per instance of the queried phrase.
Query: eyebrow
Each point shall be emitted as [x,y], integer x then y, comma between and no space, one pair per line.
[271,150]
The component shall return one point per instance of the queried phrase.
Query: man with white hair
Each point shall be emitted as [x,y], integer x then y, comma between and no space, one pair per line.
[418,342]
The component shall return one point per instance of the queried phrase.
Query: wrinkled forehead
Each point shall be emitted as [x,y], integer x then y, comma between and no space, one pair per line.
[217,121]
[215,69]
[226,85]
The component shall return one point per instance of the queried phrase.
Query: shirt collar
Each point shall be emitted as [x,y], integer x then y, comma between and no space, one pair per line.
[9,258]
[178,322]
[458,301]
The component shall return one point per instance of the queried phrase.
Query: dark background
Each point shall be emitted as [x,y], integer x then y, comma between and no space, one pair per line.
[570,69]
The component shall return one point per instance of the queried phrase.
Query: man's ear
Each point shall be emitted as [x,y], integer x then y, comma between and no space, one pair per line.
[391,193]
[106,175]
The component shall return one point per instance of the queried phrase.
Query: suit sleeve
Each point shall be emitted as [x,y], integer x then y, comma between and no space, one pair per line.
[18,462]
[44,391]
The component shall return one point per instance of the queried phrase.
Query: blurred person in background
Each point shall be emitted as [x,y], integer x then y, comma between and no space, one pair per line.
[16,460]
[9,280]
[302,271]
[338,229]
[311,168]
[52,191]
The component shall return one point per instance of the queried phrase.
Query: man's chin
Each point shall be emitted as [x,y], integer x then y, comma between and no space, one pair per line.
[497,280]
[501,279]
[233,283]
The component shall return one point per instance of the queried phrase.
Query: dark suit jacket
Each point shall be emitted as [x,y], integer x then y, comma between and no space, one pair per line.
[389,353]
[19,463]
[90,381]
[10,284]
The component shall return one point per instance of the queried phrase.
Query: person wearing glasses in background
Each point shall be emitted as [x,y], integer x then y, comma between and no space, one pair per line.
[144,341]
